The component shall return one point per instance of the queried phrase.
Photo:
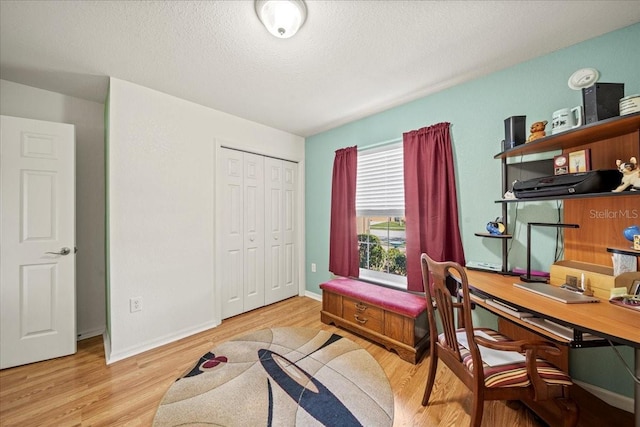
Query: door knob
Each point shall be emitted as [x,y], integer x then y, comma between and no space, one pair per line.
[63,251]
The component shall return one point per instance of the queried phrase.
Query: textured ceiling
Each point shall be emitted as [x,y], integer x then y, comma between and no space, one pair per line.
[349,60]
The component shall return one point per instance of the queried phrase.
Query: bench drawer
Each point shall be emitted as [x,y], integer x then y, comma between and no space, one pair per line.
[365,315]
[362,308]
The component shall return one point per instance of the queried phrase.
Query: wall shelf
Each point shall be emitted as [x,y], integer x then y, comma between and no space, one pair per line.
[593,132]
[494,236]
[624,251]
[571,196]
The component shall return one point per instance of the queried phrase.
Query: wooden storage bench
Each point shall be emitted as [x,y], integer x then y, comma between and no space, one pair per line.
[393,318]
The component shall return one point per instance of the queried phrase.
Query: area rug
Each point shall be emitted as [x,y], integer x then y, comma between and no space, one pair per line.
[281,377]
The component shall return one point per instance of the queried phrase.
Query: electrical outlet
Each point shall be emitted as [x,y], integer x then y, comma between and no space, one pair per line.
[313,267]
[135,304]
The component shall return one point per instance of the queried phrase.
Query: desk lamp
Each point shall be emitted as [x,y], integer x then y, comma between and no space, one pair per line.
[528,277]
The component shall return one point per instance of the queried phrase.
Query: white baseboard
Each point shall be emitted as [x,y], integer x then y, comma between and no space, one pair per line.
[313,295]
[112,357]
[90,334]
[614,399]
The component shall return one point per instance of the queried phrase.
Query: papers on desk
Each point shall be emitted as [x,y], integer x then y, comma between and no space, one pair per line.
[549,326]
[557,329]
[490,356]
[507,308]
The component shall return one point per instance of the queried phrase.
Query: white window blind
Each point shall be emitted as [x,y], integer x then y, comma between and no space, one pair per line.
[380,182]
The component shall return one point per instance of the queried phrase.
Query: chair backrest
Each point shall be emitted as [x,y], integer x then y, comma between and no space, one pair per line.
[440,300]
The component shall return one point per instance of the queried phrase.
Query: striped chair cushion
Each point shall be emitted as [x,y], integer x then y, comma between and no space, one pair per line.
[511,375]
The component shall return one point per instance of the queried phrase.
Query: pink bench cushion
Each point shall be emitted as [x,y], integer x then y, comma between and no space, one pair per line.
[409,305]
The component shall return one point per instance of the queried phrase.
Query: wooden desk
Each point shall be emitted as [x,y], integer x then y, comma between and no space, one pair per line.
[618,324]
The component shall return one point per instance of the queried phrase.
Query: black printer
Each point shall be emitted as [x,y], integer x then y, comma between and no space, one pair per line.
[597,181]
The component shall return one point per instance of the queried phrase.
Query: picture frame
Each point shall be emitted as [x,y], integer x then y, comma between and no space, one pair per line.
[580,161]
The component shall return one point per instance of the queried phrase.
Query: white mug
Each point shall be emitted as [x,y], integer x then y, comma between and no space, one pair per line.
[566,119]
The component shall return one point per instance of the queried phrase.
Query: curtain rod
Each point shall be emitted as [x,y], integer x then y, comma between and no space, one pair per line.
[380,144]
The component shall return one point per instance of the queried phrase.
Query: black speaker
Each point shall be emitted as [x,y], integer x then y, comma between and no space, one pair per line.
[514,131]
[601,101]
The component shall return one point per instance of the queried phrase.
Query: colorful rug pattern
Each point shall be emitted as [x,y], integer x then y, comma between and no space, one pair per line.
[281,377]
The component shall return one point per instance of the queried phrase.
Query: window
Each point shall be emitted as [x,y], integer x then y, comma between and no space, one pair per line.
[380,215]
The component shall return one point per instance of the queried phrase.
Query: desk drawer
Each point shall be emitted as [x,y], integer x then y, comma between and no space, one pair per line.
[363,314]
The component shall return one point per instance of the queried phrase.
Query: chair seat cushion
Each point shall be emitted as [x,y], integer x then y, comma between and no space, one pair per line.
[513,374]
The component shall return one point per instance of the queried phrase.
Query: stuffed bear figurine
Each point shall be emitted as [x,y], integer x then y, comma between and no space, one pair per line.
[630,175]
[537,131]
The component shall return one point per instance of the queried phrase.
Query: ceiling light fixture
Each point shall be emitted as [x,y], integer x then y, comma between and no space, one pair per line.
[282,18]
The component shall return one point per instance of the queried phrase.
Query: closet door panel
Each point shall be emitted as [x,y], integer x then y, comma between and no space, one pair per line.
[289,268]
[253,293]
[253,231]
[275,220]
[290,265]
[274,280]
[274,236]
[281,236]
[230,171]
[234,261]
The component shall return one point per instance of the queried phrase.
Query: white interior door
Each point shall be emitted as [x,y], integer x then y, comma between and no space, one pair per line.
[290,273]
[280,254]
[253,186]
[37,231]
[231,231]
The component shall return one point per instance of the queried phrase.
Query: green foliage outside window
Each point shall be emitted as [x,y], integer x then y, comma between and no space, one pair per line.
[372,253]
[396,262]
[373,256]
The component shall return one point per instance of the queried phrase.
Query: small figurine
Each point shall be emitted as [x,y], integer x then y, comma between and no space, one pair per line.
[630,175]
[537,131]
[496,227]
[631,231]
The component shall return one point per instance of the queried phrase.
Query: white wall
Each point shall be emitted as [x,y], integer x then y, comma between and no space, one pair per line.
[88,117]
[161,211]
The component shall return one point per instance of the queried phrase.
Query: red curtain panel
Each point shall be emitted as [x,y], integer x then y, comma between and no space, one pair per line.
[343,235]
[431,207]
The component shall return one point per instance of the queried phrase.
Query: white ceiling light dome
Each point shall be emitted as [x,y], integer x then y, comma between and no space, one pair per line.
[282,18]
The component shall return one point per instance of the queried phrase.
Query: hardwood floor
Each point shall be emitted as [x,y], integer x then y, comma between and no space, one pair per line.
[81,390]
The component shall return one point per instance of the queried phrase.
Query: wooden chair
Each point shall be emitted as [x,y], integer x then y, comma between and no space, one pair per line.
[531,378]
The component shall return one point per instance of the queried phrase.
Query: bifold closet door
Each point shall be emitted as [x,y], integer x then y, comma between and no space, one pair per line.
[280,240]
[241,183]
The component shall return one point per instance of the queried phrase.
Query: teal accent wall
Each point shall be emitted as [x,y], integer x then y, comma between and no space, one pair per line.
[476,111]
